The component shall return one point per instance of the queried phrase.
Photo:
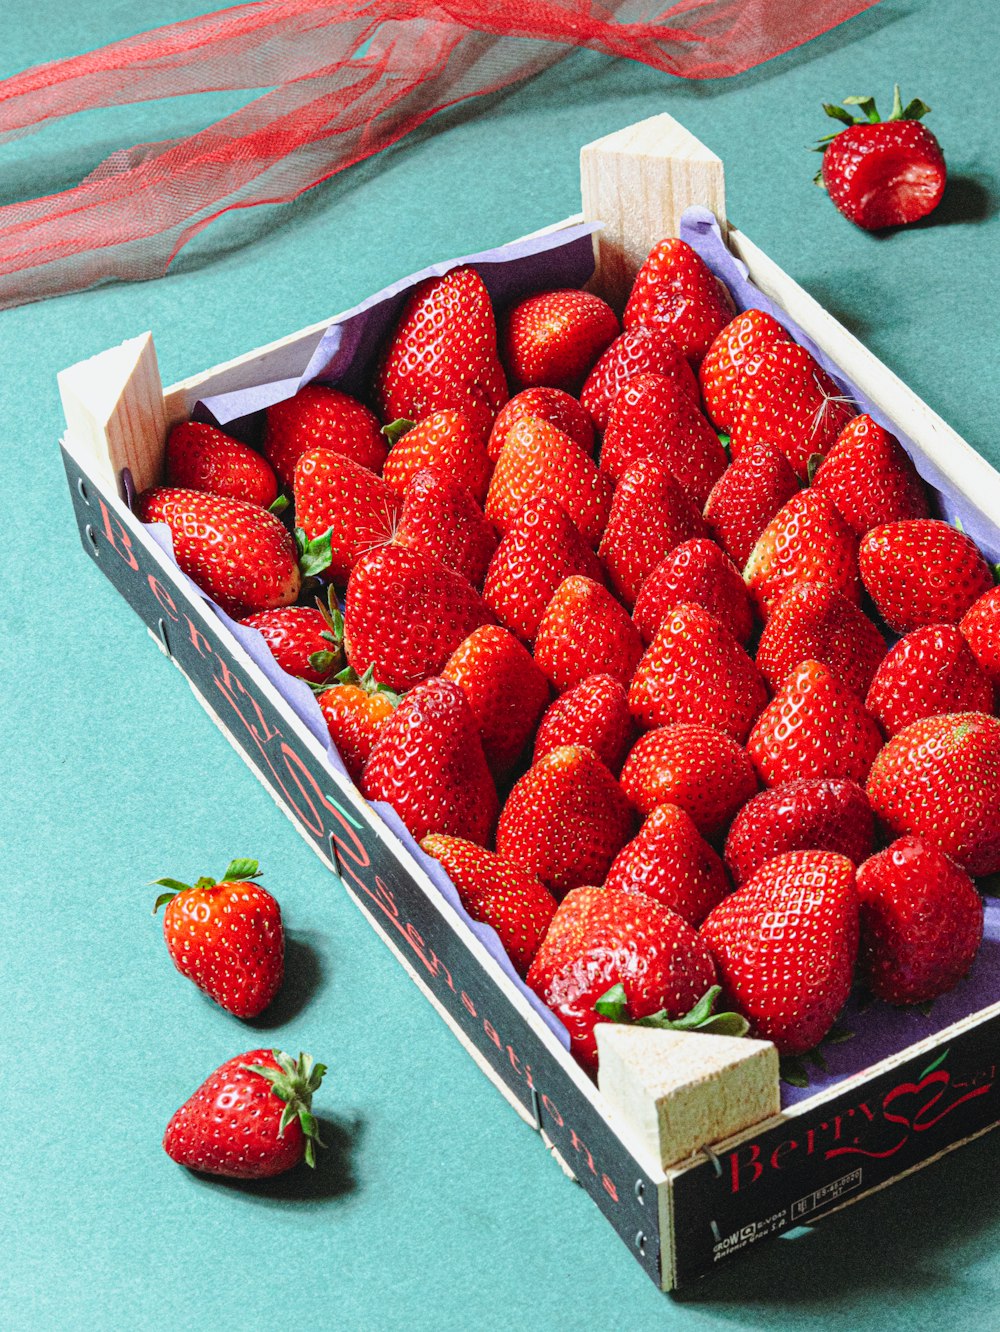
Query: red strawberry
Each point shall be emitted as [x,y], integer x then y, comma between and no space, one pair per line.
[788,400]
[811,814]
[811,621]
[600,937]
[650,516]
[441,519]
[785,945]
[593,713]
[980,626]
[922,572]
[747,496]
[695,671]
[882,173]
[355,709]
[721,372]
[538,460]
[498,893]
[335,495]
[695,571]
[584,631]
[652,417]
[506,691]
[307,641]
[814,727]
[671,863]
[199,457]
[921,922]
[869,478]
[251,1119]
[237,553]
[554,337]
[324,418]
[550,404]
[405,614]
[703,770]
[565,820]
[542,547]
[636,352]
[447,440]
[676,293]
[226,937]
[940,779]
[428,764]
[929,672]
[806,542]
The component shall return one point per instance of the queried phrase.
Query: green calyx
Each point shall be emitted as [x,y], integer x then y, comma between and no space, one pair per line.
[613,1005]
[794,1069]
[237,871]
[279,505]
[367,682]
[294,1081]
[813,465]
[869,115]
[314,555]
[395,430]
[327,660]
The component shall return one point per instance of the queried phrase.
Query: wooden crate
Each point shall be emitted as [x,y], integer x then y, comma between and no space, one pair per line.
[683,1144]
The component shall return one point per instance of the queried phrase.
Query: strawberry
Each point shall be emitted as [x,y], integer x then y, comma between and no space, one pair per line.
[600,937]
[498,893]
[506,691]
[703,770]
[441,519]
[790,401]
[922,572]
[638,351]
[676,293]
[226,937]
[445,439]
[318,417]
[335,495]
[199,457]
[405,614]
[650,516]
[882,173]
[553,338]
[238,553]
[869,478]
[593,713]
[539,459]
[355,708]
[550,404]
[652,417]
[921,922]
[695,671]
[251,1119]
[565,820]
[583,631]
[747,496]
[696,571]
[812,621]
[428,764]
[720,373]
[542,547]
[980,626]
[940,779]
[813,727]
[929,672]
[670,862]
[306,641]
[785,945]
[810,814]
[805,542]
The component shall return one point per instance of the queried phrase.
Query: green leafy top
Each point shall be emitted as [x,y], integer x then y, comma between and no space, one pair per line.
[327,659]
[294,1081]
[914,110]
[613,1004]
[395,430]
[315,554]
[237,871]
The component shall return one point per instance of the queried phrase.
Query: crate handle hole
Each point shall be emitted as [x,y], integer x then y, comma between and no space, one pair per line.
[91,536]
[640,1192]
[82,491]
[640,1242]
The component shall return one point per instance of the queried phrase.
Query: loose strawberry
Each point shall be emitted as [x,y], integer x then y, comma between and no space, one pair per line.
[922,572]
[670,862]
[199,457]
[940,779]
[584,631]
[549,404]
[428,764]
[882,173]
[747,496]
[812,621]
[441,519]
[318,417]
[703,770]
[929,672]
[355,708]
[696,571]
[251,1119]
[806,542]
[676,293]
[638,351]
[554,337]
[498,893]
[565,820]
[921,922]
[226,936]
[980,626]
[306,641]
[785,945]
[695,671]
[869,478]
[810,814]
[721,372]
[593,713]
[446,439]
[335,495]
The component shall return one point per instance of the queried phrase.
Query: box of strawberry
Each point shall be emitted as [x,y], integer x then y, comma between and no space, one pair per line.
[624,636]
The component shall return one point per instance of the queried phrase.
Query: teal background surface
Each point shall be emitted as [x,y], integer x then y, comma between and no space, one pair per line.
[435,1207]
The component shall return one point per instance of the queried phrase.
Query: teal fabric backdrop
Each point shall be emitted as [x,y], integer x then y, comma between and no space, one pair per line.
[435,1207]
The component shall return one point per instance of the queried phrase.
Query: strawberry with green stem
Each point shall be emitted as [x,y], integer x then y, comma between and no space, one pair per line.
[305,641]
[355,708]
[200,457]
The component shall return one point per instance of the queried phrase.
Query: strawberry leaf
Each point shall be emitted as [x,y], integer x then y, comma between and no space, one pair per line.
[294,1082]
[279,505]
[867,107]
[395,430]
[812,466]
[793,1071]
[613,1005]
[238,871]
[838,113]
[323,662]
[314,555]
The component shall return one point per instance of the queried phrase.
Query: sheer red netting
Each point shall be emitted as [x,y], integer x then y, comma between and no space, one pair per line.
[344,78]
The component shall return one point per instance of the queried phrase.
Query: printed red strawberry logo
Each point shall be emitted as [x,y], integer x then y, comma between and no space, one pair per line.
[548,404]
[554,337]
[583,632]
[676,293]
[638,351]
[355,708]
[199,457]
[721,372]
[812,621]
[869,478]
[670,862]
[922,572]
[593,713]
[337,496]
[929,672]
[318,417]
[305,641]
[702,770]
[747,496]
[447,440]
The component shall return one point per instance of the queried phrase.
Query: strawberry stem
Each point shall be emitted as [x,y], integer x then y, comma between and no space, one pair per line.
[294,1082]
[237,871]
[613,1004]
